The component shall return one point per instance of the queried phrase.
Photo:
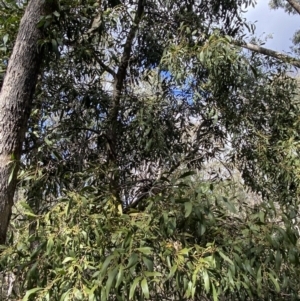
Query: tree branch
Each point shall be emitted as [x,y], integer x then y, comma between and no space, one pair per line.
[105,67]
[121,74]
[269,52]
[295,5]
[114,111]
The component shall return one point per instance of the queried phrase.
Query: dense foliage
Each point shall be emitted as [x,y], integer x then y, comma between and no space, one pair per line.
[196,239]
[160,161]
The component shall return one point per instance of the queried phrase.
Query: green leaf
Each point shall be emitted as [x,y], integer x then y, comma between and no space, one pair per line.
[103,294]
[229,205]
[215,294]
[67,259]
[77,294]
[30,214]
[31,292]
[120,276]
[50,244]
[188,206]
[275,282]
[172,271]
[206,281]
[12,172]
[54,45]
[5,39]
[226,258]
[47,141]
[152,274]
[148,263]
[262,216]
[189,289]
[259,278]
[145,288]
[106,264]
[201,56]
[111,277]
[278,260]
[145,250]
[65,296]
[132,260]
[185,251]
[56,14]
[133,287]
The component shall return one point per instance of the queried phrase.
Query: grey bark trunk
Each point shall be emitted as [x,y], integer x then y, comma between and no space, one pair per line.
[15,104]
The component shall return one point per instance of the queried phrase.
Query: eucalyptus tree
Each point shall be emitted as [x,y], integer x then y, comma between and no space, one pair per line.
[112,102]
[15,103]
[116,51]
[134,98]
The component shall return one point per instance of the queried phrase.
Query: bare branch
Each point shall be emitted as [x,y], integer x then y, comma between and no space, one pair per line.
[105,67]
[269,52]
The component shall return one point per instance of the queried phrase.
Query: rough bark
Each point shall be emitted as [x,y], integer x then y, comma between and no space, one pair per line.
[295,5]
[15,104]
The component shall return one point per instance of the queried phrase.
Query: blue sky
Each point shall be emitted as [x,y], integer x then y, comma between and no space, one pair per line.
[276,22]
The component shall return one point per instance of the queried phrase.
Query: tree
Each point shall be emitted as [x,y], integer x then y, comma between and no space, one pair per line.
[15,104]
[113,129]
[124,117]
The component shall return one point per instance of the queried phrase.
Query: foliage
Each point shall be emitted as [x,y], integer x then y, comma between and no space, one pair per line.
[188,243]
[10,15]
[71,131]
[116,200]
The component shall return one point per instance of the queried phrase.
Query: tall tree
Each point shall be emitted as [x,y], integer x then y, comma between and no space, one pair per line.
[15,104]
[140,98]
[107,90]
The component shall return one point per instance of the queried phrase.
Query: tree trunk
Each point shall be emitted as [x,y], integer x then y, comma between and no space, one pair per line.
[15,104]
[119,79]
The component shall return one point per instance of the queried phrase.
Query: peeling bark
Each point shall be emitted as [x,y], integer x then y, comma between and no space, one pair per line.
[15,104]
